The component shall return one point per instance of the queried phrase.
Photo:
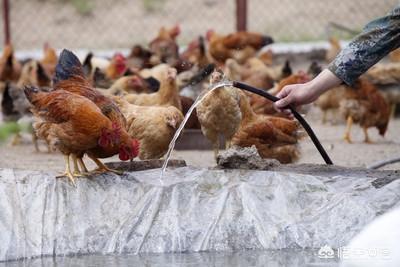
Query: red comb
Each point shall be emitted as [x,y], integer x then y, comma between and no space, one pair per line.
[118,56]
[175,31]
[209,33]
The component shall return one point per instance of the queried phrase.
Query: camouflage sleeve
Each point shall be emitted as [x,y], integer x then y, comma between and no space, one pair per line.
[378,39]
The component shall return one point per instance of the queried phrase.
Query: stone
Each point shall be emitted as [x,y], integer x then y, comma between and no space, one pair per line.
[144,164]
[244,158]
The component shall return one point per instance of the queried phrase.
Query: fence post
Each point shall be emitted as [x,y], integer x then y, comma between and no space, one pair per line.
[6,16]
[241,15]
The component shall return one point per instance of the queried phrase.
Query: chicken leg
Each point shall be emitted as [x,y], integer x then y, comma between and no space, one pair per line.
[324,116]
[67,172]
[77,172]
[393,111]
[35,142]
[347,137]
[83,166]
[17,139]
[103,168]
[366,140]
[228,144]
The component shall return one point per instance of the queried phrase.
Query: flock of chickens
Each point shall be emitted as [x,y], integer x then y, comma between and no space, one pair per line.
[132,106]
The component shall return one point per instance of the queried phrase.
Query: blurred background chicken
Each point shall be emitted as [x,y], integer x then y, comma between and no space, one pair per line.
[10,67]
[333,50]
[167,95]
[133,84]
[15,106]
[49,60]
[261,105]
[239,46]
[165,49]
[362,103]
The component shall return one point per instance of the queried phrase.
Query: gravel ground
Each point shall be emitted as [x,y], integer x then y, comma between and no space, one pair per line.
[357,154]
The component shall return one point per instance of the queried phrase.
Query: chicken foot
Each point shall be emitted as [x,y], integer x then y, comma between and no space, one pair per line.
[77,172]
[67,172]
[103,168]
[17,139]
[347,137]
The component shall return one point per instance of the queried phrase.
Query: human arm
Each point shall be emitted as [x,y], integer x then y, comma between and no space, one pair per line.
[378,38]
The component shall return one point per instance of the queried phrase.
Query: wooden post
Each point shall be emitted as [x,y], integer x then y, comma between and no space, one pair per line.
[6,15]
[241,15]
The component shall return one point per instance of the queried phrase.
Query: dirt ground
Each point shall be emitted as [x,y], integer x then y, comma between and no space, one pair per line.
[357,154]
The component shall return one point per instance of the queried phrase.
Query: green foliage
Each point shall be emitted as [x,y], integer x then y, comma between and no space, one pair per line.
[153,5]
[8,129]
[84,7]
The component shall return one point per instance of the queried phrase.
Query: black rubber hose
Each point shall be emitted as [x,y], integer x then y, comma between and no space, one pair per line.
[300,118]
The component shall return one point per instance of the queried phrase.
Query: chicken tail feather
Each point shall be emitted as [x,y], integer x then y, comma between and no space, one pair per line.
[68,66]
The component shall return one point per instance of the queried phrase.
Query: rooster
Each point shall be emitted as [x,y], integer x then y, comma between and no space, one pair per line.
[75,126]
[117,67]
[69,77]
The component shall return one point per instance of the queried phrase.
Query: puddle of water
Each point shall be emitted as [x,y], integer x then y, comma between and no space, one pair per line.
[286,257]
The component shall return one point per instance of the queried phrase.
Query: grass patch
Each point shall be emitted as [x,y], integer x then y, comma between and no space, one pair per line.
[7,129]
[151,6]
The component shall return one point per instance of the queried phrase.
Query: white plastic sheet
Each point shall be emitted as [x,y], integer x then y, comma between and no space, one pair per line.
[195,210]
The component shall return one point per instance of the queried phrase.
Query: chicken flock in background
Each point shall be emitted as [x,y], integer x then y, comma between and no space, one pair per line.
[132,105]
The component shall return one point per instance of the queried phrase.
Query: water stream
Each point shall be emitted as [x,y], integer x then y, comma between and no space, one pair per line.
[200,98]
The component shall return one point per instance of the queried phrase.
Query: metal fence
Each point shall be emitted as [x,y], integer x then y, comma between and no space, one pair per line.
[111,24]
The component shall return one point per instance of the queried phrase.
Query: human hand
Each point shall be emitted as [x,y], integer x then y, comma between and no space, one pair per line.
[296,95]
[301,94]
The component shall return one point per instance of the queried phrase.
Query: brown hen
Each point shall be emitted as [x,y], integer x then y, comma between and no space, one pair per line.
[272,136]
[154,127]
